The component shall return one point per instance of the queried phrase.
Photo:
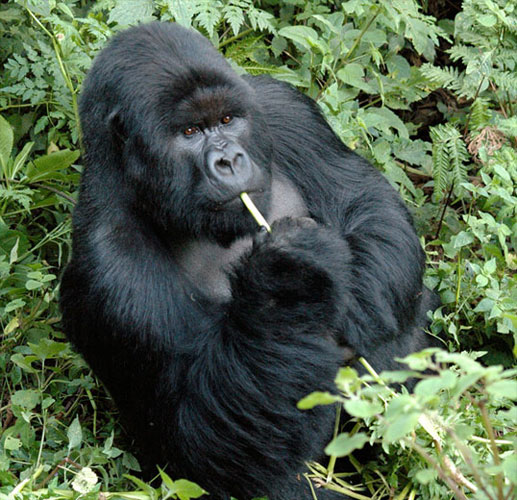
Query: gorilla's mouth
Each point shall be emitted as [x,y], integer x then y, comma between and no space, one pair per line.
[235,203]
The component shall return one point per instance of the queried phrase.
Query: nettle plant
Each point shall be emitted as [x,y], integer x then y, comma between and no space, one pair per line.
[448,437]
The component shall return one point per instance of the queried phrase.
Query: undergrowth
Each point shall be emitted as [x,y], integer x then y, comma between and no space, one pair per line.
[429,101]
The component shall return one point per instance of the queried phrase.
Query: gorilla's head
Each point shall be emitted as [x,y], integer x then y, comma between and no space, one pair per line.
[183,135]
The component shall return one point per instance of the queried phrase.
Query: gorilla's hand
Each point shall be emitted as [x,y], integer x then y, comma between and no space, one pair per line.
[288,279]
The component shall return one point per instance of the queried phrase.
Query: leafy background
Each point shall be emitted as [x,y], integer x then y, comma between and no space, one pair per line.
[426,90]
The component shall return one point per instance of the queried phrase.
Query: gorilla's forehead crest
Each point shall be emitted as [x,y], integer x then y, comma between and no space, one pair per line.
[207,102]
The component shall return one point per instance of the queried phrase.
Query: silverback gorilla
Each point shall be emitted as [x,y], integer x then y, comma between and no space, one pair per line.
[206,330]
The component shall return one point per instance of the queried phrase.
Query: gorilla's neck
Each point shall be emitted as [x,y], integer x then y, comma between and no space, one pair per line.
[207,264]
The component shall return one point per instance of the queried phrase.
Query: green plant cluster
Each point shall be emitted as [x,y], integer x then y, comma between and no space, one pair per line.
[424,90]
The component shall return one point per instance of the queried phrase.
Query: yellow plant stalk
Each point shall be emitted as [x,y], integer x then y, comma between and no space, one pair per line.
[254,211]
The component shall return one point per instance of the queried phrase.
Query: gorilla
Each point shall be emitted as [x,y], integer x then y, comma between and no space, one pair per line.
[205,329]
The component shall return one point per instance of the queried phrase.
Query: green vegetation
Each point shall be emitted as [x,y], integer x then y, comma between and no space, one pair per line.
[425,91]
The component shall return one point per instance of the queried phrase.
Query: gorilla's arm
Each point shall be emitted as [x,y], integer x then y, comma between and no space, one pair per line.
[383,283]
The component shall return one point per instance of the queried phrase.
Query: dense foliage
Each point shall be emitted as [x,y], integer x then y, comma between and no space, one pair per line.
[429,99]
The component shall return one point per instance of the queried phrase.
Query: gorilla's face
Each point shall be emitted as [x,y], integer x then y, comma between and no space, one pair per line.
[186,136]
[213,138]
[195,155]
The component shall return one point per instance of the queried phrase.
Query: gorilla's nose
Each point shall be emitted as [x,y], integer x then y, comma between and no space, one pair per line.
[230,167]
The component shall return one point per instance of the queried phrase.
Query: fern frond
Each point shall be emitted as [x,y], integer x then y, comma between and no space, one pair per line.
[261,19]
[463,52]
[479,114]
[233,13]
[234,17]
[440,161]
[449,157]
[209,15]
[458,155]
[505,80]
[447,77]
[244,49]
[507,57]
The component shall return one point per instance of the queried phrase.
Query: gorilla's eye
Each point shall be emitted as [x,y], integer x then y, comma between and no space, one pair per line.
[191,130]
[226,119]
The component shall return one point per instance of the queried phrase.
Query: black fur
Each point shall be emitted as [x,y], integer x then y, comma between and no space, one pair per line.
[209,385]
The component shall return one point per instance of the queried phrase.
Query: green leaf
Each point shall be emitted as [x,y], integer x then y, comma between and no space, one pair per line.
[209,16]
[27,399]
[433,385]
[65,9]
[302,35]
[42,168]
[153,494]
[33,284]
[315,399]
[127,12]
[47,403]
[419,360]
[462,239]
[487,20]
[14,304]
[461,359]
[417,31]
[11,443]
[490,267]
[130,461]
[167,481]
[48,349]
[344,444]
[509,466]
[464,382]
[85,480]
[384,119]
[6,141]
[401,426]
[353,74]
[425,476]
[503,389]
[13,254]
[399,67]
[346,375]
[74,434]
[24,362]
[362,409]
[187,490]
[19,161]
[182,11]
[485,305]
[235,17]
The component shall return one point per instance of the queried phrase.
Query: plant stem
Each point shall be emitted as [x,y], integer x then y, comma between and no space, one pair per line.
[236,37]
[363,31]
[333,458]
[495,453]
[450,482]
[62,68]
[261,221]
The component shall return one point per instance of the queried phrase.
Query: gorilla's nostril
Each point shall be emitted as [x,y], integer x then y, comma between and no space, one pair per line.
[238,160]
[224,166]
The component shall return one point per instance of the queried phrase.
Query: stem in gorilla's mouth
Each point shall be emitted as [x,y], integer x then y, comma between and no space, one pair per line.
[254,211]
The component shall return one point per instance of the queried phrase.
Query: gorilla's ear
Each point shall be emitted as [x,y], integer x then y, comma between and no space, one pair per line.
[117,129]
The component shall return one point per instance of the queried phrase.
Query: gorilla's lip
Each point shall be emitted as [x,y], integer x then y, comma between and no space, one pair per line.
[235,201]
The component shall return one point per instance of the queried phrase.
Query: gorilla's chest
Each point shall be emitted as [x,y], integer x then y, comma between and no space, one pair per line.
[207,265]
